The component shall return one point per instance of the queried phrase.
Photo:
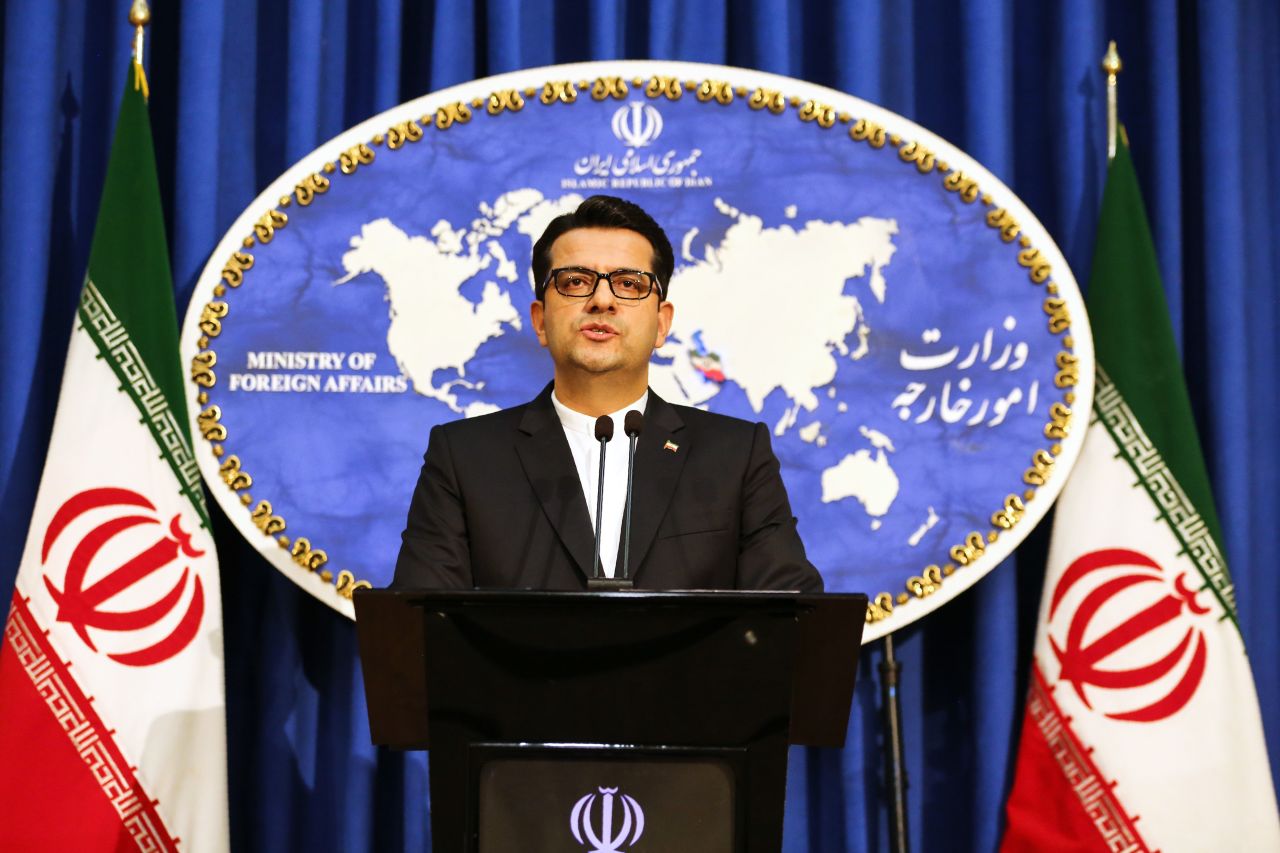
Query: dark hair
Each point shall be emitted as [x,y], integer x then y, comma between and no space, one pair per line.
[605,211]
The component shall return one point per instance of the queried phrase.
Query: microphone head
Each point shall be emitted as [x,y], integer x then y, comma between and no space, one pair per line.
[604,428]
[633,423]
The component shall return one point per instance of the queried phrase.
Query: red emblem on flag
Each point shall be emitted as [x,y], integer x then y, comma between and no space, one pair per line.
[1082,661]
[80,605]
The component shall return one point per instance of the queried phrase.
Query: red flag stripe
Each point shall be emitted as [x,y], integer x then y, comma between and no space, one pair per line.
[1052,766]
[75,716]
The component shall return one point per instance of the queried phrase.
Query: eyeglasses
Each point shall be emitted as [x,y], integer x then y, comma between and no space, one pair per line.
[580,282]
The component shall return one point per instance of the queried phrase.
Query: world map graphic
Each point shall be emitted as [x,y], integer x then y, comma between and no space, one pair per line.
[436,334]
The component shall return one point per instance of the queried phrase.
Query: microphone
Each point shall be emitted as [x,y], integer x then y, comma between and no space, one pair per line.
[604,432]
[632,424]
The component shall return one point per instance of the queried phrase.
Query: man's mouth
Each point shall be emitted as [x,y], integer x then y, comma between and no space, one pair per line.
[598,331]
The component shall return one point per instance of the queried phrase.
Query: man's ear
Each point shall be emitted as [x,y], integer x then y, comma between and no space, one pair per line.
[666,314]
[536,309]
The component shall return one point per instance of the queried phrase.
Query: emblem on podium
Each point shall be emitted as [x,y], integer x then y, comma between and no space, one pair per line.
[613,831]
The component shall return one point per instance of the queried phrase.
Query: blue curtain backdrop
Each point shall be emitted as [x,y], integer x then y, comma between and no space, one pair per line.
[243,88]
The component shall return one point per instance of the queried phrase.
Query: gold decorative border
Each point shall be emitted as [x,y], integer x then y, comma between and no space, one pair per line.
[723,93]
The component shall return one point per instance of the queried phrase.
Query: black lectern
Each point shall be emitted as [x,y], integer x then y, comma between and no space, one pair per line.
[631,721]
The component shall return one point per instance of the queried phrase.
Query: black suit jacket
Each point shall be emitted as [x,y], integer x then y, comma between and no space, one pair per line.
[499,504]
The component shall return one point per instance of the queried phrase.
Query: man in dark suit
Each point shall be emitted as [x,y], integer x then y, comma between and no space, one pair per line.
[509,499]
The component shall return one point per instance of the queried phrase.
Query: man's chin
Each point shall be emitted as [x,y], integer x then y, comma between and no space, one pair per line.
[598,365]
[599,369]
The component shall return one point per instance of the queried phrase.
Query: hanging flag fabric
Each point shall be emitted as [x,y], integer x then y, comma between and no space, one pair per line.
[1142,730]
[111,675]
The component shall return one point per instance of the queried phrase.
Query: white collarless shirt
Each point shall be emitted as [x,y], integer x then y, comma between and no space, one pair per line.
[580,430]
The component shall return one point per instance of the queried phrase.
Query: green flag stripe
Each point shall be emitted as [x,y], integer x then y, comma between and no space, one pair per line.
[129,258]
[116,346]
[1134,338]
[1167,495]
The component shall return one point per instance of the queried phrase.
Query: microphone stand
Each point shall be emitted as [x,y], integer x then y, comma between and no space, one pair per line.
[598,583]
[631,425]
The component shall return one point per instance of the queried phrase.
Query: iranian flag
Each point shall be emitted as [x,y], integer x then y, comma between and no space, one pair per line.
[1142,729]
[112,735]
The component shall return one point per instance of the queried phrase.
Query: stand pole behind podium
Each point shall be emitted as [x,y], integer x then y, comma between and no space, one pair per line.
[895,771]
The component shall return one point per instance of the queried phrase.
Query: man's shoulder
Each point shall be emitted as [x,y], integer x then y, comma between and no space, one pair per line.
[726,426]
[490,423]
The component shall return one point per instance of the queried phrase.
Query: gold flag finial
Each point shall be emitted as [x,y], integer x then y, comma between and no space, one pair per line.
[1112,65]
[139,16]
[140,13]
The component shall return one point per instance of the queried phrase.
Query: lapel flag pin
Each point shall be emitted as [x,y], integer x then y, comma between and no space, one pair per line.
[672,446]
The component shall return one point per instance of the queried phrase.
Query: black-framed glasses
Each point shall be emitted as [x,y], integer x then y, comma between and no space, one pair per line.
[580,282]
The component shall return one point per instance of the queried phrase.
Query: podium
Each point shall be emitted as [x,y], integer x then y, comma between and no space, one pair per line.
[628,721]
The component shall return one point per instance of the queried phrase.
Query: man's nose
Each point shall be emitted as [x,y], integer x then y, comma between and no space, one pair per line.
[603,298]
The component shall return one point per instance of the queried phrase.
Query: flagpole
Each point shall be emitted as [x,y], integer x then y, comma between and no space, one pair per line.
[1112,65]
[139,16]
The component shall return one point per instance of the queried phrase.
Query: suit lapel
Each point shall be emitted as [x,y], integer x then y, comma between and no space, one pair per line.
[657,473]
[548,463]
